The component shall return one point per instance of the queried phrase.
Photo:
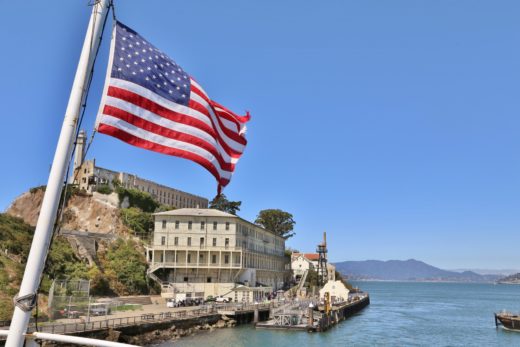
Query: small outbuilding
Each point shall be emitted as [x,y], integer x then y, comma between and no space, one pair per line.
[336,289]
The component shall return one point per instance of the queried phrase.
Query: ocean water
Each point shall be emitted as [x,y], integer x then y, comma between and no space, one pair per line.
[400,314]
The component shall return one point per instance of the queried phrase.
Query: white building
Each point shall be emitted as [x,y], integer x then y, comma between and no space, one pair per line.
[301,262]
[202,252]
[336,290]
[299,265]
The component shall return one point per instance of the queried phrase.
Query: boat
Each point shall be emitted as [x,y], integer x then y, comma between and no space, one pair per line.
[508,320]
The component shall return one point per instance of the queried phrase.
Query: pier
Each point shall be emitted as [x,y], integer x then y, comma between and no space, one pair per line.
[306,316]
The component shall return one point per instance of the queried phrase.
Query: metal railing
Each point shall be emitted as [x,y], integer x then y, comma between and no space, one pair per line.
[80,327]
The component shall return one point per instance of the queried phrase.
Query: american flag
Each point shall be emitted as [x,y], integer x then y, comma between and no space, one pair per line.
[151,102]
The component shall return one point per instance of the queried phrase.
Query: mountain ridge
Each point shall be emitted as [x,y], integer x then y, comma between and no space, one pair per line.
[407,270]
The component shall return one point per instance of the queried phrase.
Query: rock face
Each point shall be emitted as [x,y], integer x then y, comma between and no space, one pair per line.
[97,213]
[85,216]
[27,206]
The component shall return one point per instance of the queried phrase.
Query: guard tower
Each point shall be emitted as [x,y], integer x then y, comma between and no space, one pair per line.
[79,154]
[322,261]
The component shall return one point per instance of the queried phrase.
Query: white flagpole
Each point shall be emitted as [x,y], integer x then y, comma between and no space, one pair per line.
[47,218]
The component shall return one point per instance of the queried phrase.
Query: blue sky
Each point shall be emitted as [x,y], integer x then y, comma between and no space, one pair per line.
[392,125]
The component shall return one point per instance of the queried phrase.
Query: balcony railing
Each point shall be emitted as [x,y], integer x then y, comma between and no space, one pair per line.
[157,264]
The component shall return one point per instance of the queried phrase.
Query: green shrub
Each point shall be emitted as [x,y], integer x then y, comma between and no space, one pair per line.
[136,220]
[125,268]
[104,189]
[35,189]
[62,262]
[137,198]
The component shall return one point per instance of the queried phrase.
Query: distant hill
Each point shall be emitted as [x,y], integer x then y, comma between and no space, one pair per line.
[512,279]
[406,270]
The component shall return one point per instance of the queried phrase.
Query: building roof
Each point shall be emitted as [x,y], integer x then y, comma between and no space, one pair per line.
[308,256]
[202,212]
[312,256]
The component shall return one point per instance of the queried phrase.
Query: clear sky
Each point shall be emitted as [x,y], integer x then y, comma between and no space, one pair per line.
[392,125]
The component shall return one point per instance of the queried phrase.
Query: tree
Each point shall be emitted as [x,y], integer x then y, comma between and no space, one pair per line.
[125,268]
[220,202]
[277,221]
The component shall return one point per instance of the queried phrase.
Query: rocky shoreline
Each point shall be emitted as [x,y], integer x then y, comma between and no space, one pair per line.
[174,332]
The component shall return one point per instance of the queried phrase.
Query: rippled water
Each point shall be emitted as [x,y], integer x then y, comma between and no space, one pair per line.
[400,314]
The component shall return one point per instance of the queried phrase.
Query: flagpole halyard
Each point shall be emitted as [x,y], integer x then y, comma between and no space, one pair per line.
[47,218]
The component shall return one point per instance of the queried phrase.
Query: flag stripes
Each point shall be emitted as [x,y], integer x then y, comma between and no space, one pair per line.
[149,102]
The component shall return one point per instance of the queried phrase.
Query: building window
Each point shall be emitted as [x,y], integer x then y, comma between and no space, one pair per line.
[214,259]
[176,241]
[164,224]
[202,225]
[189,225]
[185,279]
[163,240]
[227,242]
[202,241]
[214,241]
[226,259]
[189,241]
[189,258]
[176,224]
[227,225]
[208,279]
[215,225]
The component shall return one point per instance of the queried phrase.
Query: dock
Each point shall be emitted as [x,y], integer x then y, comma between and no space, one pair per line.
[305,316]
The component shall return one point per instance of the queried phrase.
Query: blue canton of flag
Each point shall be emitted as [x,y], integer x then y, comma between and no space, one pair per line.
[138,61]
